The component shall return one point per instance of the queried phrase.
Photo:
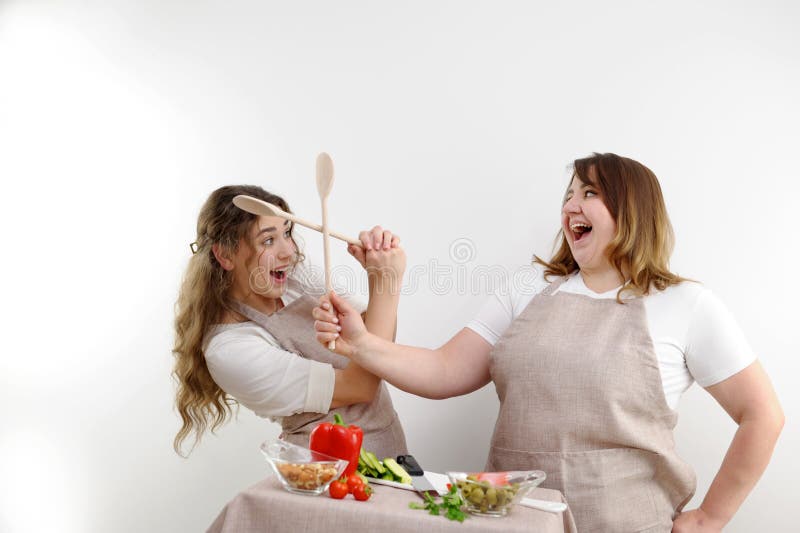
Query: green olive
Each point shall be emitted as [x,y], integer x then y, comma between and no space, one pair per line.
[476,495]
[502,497]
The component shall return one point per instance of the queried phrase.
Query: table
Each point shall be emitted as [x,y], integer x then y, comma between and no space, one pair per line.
[266,507]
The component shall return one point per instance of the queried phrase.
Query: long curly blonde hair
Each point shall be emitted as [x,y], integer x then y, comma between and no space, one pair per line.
[641,249]
[202,302]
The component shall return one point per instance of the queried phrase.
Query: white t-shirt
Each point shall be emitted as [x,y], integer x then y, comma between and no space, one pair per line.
[695,337]
[248,363]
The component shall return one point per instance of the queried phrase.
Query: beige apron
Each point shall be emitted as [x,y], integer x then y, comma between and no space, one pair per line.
[293,328]
[581,398]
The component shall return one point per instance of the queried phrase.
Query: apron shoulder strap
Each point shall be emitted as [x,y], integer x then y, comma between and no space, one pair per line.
[553,285]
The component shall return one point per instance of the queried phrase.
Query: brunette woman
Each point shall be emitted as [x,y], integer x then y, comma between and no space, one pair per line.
[589,362]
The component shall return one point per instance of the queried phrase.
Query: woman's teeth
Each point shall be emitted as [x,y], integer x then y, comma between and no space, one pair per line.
[278,274]
[579,229]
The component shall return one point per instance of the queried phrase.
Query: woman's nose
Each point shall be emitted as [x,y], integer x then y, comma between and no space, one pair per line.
[571,206]
[287,248]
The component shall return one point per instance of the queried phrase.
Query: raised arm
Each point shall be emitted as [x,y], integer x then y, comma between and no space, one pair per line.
[458,367]
[384,261]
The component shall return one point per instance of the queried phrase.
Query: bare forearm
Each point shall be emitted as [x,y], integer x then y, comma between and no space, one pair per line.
[416,370]
[381,315]
[356,384]
[745,461]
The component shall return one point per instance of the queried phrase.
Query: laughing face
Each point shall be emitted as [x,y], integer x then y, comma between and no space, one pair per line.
[588,226]
[261,268]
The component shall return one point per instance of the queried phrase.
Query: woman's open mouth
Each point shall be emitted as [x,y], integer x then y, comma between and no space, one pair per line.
[278,275]
[580,231]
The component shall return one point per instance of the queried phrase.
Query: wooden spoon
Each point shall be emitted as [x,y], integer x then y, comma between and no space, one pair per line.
[324,186]
[260,207]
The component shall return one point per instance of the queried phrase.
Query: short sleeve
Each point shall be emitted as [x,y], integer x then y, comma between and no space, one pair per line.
[266,379]
[716,347]
[493,318]
[506,303]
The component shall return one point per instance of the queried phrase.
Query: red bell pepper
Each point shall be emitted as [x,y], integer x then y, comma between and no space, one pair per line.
[338,440]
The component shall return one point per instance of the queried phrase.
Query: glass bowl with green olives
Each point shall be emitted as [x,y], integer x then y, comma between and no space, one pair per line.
[494,493]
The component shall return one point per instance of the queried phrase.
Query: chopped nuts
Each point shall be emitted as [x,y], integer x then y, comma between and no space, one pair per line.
[310,476]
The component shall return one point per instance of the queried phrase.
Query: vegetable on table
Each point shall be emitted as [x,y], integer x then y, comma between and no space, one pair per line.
[338,440]
[353,483]
[451,505]
[388,469]
[338,489]
[397,471]
[362,492]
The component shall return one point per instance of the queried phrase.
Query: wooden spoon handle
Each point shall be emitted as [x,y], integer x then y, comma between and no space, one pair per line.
[327,250]
[317,227]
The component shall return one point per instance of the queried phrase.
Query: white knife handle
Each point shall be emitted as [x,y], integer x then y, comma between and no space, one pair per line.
[543,505]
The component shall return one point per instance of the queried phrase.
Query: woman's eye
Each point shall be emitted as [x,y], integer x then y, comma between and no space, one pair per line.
[591,193]
[268,242]
[288,234]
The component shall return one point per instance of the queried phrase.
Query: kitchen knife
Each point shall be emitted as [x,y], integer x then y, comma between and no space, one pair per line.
[418,480]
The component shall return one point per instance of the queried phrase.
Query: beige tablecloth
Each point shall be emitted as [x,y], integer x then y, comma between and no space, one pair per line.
[266,507]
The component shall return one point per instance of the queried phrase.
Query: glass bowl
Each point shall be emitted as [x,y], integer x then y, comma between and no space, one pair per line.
[494,493]
[300,470]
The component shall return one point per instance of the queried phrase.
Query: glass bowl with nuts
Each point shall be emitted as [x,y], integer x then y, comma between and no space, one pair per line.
[300,470]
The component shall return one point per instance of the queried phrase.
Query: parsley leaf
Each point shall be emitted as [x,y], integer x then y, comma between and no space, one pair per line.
[451,505]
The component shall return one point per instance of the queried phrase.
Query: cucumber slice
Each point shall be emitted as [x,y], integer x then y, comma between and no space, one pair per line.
[397,471]
[362,457]
[375,464]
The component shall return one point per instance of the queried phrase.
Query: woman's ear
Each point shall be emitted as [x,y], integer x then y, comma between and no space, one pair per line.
[221,254]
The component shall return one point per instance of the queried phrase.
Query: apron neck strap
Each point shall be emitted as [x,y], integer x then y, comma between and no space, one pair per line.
[253,314]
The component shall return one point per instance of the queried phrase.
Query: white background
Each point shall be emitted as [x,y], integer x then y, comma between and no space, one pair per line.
[445,120]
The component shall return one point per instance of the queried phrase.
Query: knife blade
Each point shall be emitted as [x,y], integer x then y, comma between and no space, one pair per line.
[418,480]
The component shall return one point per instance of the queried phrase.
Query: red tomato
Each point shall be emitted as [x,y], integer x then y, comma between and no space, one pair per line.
[338,489]
[353,482]
[362,493]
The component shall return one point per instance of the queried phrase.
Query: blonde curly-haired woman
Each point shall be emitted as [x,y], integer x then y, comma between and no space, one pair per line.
[245,332]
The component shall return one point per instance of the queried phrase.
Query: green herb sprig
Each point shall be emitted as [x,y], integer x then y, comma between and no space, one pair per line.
[451,505]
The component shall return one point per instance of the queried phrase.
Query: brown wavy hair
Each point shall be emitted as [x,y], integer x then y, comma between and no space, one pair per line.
[202,302]
[641,249]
